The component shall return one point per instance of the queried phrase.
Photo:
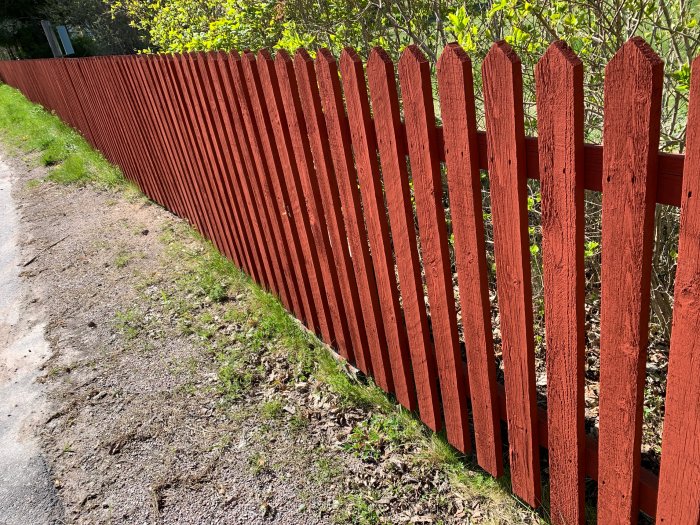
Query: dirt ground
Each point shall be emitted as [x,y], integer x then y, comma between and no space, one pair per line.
[170,397]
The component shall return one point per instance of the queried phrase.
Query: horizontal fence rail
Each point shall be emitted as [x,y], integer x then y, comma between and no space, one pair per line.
[304,174]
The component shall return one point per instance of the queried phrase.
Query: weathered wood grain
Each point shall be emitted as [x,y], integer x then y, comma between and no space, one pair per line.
[232,150]
[394,364]
[259,181]
[679,498]
[295,258]
[339,334]
[297,212]
[346,178]
[330,199]
[190,176]
[559,83]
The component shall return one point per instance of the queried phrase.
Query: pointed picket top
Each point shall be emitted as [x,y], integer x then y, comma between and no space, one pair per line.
[413,62]
[558,55]
[265,55]
[501,53]
[414,54]
[324,55]
[282,57]
[638,52]
[303,56]
[350,60]
[211,56]
[453,58]
[304,67]
[248,56]
[234,55]
[379,56]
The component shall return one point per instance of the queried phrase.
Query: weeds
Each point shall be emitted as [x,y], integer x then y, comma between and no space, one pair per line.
[357,510]
[370,440]
[271,409]
[258,464]
[326,470]
[122,259]
[130,322]
[261,326]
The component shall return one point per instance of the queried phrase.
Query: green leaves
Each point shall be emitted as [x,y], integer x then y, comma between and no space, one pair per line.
[590,248]
[682,78]
[462,28]
[293,38]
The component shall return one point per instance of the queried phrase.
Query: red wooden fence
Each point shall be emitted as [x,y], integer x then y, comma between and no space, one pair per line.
[315,202]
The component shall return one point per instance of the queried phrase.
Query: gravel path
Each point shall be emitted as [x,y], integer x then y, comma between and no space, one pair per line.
[26,492]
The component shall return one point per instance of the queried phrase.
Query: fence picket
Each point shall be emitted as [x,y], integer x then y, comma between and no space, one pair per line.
[299,213]
[220,117]
[250,139]
[191,176]
[339,336]
[205,135]
[175,143]
[181,85]
[505,131]
[123,69]
[456,88]
[633,83]
[559,83]
[303,295]
[218,76]
[392,155]
[679,502]
[168,151]
[230,75]
[157,147]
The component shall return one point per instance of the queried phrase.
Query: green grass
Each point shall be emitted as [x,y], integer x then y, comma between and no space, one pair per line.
[357,510]
[271,409]
[122,259]
[29,129]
